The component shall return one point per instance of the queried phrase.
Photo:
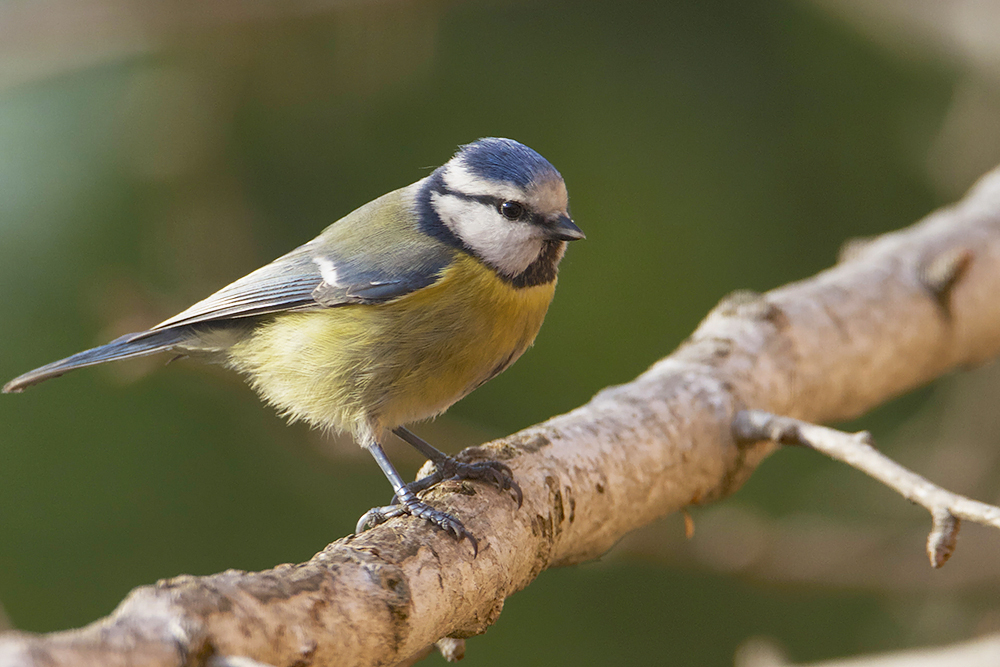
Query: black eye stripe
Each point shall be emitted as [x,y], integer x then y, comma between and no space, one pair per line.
[489,200]
[529,216]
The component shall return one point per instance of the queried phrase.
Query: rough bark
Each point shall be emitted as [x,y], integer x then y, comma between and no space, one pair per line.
[897,312]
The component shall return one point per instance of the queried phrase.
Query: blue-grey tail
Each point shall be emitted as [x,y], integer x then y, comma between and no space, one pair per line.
[129,345]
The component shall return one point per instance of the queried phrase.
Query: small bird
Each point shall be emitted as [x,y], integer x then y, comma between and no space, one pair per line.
[391,315]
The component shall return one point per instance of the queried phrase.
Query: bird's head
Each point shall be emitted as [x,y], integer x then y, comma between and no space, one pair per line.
[504,203]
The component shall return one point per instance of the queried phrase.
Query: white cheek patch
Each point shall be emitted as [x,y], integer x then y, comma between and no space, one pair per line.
[509,246]
[327,270]
[460,179]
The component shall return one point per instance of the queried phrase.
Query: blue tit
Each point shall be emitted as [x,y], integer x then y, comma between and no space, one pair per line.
[392,314]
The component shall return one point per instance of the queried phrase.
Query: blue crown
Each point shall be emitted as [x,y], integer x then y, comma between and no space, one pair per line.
[506,160]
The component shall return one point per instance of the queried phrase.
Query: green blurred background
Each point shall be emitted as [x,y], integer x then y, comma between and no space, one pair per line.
[153,152]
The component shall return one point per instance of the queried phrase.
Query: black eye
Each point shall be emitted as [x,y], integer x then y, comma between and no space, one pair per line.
[511,210]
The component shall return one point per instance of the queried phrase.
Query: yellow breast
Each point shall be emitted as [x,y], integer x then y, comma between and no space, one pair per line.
[370,368]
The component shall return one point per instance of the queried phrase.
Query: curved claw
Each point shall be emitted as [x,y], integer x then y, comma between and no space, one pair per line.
[496,473]
[376,516]
[422,510]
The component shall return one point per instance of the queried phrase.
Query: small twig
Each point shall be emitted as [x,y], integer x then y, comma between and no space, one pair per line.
[856,450]
[451,649]
[688,524]
[942,273]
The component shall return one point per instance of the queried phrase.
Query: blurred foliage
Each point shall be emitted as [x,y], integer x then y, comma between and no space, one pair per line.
[707,147]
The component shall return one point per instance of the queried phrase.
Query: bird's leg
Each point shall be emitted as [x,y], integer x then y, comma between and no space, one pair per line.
[446,467]
[407,503]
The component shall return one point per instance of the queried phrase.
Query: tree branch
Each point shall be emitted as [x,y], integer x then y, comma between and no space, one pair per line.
[896,313]
[857,450]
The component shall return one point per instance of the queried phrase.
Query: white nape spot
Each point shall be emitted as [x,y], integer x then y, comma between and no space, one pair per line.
[459,179]
[509,246]
[327,270]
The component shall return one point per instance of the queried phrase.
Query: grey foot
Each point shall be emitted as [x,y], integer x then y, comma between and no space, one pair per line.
[492,472]
[418,508]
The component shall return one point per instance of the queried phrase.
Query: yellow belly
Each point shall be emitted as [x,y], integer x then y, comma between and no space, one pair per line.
[369,368]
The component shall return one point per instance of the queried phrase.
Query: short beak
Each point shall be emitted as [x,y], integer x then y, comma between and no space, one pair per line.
[564,229]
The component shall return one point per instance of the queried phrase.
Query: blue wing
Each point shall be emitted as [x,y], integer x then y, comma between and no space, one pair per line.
[321,275]
[296,282]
